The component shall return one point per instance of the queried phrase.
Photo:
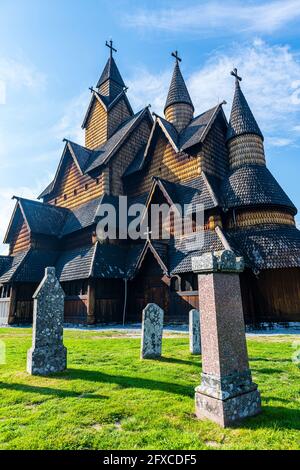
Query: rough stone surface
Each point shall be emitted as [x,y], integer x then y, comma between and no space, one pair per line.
[227,393]
[152,331]
[48,354]
[194,332]
[224,261]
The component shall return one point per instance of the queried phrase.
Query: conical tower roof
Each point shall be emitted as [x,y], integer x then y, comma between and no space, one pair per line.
[242,120]
[178,92]
[111,72]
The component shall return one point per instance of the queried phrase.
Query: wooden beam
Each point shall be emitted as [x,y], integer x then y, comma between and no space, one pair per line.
[91,303]
[13,304]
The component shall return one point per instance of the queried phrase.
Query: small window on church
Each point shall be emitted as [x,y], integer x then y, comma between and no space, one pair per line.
[97,181]
[65,197]
[175,284]
[75,192]
[189,282]
[86,187]
[55,202]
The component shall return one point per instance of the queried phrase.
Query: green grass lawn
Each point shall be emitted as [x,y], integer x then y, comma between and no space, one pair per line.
[110,399]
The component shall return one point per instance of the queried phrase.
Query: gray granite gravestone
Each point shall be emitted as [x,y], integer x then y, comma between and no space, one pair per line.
[48,354]
[194,332]
[227,393]
[152,331]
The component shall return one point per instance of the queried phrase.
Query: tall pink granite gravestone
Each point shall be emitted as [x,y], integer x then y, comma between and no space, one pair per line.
[227,393]
[48,354]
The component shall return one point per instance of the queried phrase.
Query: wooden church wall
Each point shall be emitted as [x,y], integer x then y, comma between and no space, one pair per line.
[272,297]
[21,238]
[166,164]
[116,116]
[110,295]
[124,157]
[75,189]
[96,129]
[214,158]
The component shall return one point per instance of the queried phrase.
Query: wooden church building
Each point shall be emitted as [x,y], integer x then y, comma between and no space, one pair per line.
[179,158]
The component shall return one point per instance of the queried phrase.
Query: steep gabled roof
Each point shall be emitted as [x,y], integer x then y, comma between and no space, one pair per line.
[242,120]
[81,157]
[44,219]
[111,72]
[194,134]
[199,127]
[159,251]
[107,150]
[253,185]
[88,160]
[178,92]
[191,193]
[106,102]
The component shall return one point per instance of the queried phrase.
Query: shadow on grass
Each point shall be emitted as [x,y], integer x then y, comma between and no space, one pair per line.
[273,417]
[130,382]
[267,371]
[49,391]
[173,360]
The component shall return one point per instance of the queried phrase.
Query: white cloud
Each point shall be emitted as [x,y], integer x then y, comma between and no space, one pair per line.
[229,17]
[270,83]
[18,75]
[69,125]
[147,88]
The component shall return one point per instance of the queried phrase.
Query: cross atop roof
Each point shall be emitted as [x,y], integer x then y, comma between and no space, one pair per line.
[175,54]
[235,74]
[110,46]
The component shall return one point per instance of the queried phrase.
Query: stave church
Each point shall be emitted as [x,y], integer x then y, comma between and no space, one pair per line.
[180,158]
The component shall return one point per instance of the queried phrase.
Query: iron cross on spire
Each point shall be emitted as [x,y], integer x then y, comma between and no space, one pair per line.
[110,46]
[235,74]
[175,54]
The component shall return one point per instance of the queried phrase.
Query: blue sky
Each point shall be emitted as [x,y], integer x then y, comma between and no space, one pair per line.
[52,51]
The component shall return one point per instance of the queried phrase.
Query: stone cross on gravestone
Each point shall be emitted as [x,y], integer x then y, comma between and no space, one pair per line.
[152,332]
[194,332]
[48,354]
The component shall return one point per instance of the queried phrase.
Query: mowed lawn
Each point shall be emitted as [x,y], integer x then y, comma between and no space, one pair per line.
[110,399]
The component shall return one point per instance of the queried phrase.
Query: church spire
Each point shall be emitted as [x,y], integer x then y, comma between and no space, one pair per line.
[179,108]
[111,82]
[244,137]
[242,120]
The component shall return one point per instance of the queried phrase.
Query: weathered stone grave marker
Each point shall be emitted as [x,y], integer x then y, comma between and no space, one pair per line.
[152,331]
[194,332]
[48,354]
[227,393]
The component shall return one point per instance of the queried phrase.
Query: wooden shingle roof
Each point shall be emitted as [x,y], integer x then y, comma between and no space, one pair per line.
[111,72]
[178,92]
[252,185]
[267,246]
[242,120]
